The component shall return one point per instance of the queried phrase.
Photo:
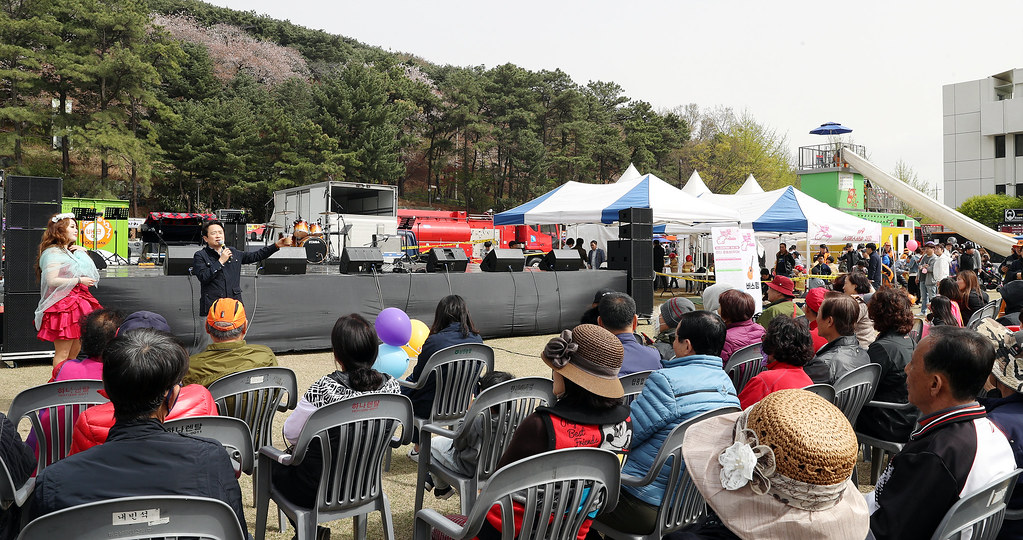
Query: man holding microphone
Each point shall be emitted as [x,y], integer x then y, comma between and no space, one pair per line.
[219,268]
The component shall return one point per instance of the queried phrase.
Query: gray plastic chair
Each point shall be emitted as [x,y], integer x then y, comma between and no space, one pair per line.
[139,517]
[823,390]
[743,365]
[633,384]
[980,513]
[682,505]
[62,402]
[232,433]
[351,477]
[854,389]
[514,400]
[557,490]
[988,310]
[879,448]
[918,330]
[10,493]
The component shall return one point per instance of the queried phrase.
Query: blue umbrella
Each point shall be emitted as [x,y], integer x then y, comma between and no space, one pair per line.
[830,128]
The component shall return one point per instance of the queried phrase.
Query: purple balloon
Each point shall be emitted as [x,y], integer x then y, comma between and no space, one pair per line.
[394,327]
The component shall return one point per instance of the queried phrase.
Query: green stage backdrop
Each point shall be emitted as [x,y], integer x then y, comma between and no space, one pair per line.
[99,234]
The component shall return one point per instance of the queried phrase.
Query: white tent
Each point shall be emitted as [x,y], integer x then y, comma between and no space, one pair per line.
[695,185]
[630,173]
[750,186]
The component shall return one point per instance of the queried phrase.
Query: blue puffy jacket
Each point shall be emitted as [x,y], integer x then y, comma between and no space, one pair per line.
[684,388]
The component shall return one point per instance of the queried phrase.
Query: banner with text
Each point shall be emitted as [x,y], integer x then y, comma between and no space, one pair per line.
[735,261]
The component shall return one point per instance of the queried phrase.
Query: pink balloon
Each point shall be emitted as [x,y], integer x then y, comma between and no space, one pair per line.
[912,245]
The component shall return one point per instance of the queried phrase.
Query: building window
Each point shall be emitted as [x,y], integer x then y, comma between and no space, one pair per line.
[1019,145]
[999,146]
[1000,188]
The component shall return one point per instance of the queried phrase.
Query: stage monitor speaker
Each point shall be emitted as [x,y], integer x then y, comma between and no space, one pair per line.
[178,260]
[97,259]
[504,260]
[33,189]
[642,291]
[446,260]
[636,215]
[29,215]
[635,256]
[562,260]
[19,324]
[636,231]
[287,261]
[21,250]
[361,260]
[234,234]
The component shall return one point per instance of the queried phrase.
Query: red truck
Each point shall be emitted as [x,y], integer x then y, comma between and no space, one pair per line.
[443,228]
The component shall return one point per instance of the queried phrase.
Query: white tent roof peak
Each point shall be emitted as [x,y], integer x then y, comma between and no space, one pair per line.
[750,186]
[695,185]
[630,173]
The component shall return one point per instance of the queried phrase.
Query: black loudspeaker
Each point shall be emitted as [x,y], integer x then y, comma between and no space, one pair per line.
[635,256]
[642,291]
[288,260]
[97,259]
[562,260]
[446,259]
[504,260]
[21,252]
[234,235]
[636,231]
[29,215]
[636,215]
[179,260]
[33,189]
[361,260]
[19,324]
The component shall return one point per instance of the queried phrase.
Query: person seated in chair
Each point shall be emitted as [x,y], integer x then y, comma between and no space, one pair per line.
[788,347]
[617,314]
[226,324]
[836,322]
[667,320]
[142,373]
[20,463]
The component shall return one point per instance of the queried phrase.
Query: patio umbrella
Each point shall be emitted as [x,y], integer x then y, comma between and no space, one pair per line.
[830,128]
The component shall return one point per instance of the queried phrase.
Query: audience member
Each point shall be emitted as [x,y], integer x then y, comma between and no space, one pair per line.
[98,328]
[354,344]
[972,296]
[142,371]
[873,265]
[858,288]
[950,289]
[892,314]
[777,470]
[580,247]
[788,348]
[690,384]
[836,323]
[941,314]
[618,316]
[955,451]
[20,463]
[1012,294]
[712,294]
[784,262]
[780,294]
[849,258]
[928,283]
[943,265]
[596,256]
[814,298]
[968,259]
[670,313]
[1012,266]
[737,310]
[226,324]
[591,313]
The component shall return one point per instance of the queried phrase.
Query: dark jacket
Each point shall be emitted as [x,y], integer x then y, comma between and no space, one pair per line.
[1007,414]
[223,281]
[20,464]
[967,262]
[784,264]
[1011,266]
[422,399]
[892,352]
[842,356]
[140,458]
[973,303]
[850,258]
[874,269]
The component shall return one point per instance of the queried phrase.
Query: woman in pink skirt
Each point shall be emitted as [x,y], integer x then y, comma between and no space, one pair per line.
[65,272]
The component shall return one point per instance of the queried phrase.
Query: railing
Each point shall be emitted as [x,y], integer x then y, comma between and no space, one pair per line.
[826,156]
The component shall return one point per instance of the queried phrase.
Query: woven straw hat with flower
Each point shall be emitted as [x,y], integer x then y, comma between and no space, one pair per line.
[589,356]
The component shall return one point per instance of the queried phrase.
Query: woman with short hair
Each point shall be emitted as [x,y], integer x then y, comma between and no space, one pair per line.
[736,309]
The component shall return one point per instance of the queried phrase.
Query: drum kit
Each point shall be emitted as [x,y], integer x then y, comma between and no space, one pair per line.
[312,236]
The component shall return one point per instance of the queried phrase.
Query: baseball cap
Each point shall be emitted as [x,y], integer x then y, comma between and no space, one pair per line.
[143,319]
[226,314]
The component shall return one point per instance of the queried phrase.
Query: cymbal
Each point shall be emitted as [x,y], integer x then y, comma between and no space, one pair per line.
[284,212]
[328,213]
[270,225]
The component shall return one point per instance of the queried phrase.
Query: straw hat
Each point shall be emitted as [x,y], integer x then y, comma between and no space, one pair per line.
[589,356]
[786,462]
[1008,366]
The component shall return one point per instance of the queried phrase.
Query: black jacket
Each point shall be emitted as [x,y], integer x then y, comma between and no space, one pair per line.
[20,464]
[841,355]
[892,352]
[139,458]
[223,281]
[874,269]
[422,399]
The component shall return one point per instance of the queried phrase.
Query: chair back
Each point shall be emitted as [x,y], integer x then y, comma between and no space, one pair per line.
[458,369]
[988,310]
[53,408]
[744,364]
[232,433]
[254,397]
[139,517]
[980,514]
[353,434]
[854,389]
[823,390]
[11,493]
[633,384]
[918,329]
[503,407]
[556,490]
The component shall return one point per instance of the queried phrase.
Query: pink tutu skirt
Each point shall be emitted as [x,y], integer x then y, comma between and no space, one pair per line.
[63,320]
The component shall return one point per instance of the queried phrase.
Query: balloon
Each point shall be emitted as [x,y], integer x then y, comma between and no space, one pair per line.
[912,245]
[391,360]
[419,334]
[393,327]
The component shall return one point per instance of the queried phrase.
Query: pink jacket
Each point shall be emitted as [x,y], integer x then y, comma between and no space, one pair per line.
[739,335]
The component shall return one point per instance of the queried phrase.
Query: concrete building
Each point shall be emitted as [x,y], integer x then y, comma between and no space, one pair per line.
[983,137]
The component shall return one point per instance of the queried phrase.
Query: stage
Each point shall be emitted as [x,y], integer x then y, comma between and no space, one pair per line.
[297,312]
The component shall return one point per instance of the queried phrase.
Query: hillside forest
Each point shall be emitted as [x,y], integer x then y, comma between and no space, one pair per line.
[177,105]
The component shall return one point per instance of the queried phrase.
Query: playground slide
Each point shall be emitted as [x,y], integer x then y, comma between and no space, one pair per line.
[991,240]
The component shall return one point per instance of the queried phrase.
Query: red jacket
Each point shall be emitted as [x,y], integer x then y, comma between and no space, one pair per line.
[818,341]
[779,376]
[92,425]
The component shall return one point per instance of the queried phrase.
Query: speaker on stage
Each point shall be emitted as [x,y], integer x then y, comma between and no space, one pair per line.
[636,256]
[178,260]
[19,324]
[361,260]
[642,291]
[287,261]
[33,189]
[21,250]
[504,260]
[97,259]
[234,234]
[29,215]
[446,260]
[561,260]
[636,215]
[636,231]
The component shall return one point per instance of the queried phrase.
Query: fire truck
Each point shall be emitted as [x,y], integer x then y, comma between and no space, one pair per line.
[426,229]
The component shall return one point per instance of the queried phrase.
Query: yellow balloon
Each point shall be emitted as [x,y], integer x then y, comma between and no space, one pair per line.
[419,334]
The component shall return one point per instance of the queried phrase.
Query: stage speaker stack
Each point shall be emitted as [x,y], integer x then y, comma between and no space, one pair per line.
[28,204]
[446,260]
[561,260]
[234,227]
[504,260]
[634,252]
[361,260]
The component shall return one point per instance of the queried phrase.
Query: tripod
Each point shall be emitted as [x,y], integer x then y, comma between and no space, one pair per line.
[114,215]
